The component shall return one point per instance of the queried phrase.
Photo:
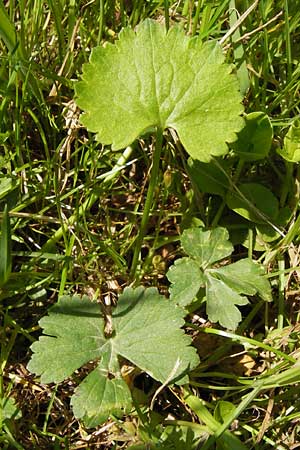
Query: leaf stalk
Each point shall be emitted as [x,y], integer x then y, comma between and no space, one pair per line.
[148,203]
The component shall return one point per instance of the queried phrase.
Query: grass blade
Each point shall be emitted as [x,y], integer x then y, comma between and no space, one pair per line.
[5,248]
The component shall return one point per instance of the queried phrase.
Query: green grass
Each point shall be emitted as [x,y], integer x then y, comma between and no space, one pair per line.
[75,208]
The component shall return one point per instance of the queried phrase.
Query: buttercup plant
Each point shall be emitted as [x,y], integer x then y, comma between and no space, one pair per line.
[149,79]
[153,79]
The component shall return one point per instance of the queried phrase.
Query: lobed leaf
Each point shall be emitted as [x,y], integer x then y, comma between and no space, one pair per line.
[244,277]
[102,393]
[186,278]
[221,303]
[74,336]
[223,285]
[208,246]
[146,331]
[151,78]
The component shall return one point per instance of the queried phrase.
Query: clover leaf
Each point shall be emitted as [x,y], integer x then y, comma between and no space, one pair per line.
[150,78]
[224,284]
[146,331]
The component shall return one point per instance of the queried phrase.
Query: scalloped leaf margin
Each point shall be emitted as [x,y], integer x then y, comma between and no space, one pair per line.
[150,78]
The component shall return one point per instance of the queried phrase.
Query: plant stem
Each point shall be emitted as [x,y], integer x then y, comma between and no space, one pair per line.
[288,41]
[148,202]
[101,22]
[287,183]
[196,18]
[281,291]
[166,7]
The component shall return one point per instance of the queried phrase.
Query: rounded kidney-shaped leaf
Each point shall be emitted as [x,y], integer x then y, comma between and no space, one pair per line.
[254,202]
[151,78]
[291,147]
[255,139]
[209,177]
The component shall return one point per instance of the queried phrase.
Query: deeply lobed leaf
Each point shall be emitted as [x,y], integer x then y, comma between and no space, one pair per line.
[102,393]
[224,285]
[208,246]
[186,278]
[146,331]
[74,336]
[244,277]
[221,303]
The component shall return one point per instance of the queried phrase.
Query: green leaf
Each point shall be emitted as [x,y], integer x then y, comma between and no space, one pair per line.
[7,185]
[287,377]
[221,300]
[10,410]
[151,78]
[102,393]
[244,277]
[267,233]
[74,336]
[206,246]
[224,410]
[144,323]
[291,146]
[186,278]
[255,139]
[4,137]
[223,285]
[5,248]
[254,202]
[208,177]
